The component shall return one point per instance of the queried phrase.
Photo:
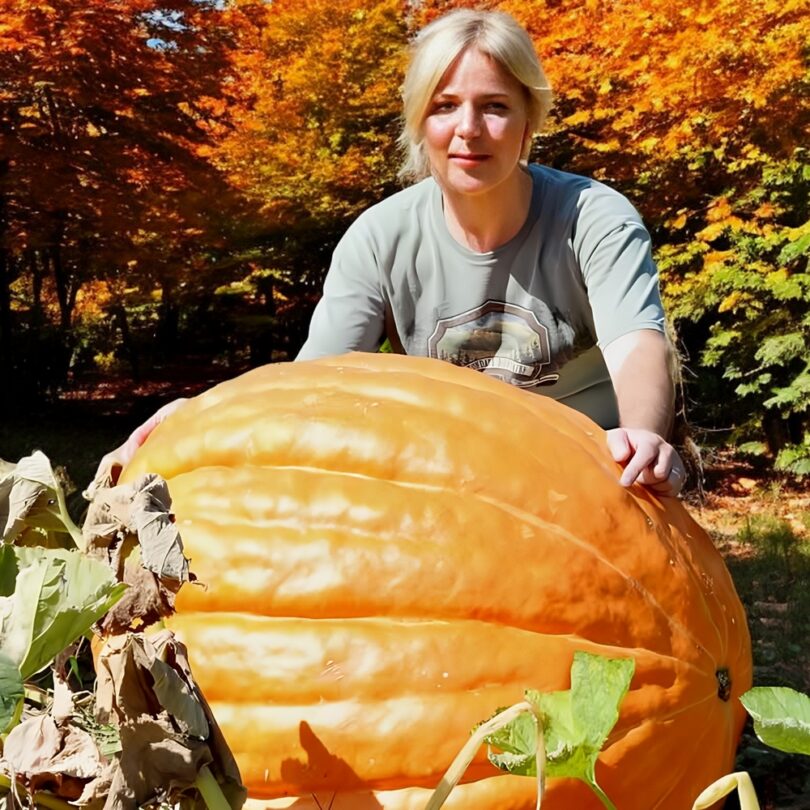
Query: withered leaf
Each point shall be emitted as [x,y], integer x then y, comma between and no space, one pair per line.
[161,547]
[147,600]
[154,760]
[137,516]
[143,509]
[38,747]
[146,685]
[27,490]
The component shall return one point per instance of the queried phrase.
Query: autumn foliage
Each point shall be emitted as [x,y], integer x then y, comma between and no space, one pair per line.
[195,165]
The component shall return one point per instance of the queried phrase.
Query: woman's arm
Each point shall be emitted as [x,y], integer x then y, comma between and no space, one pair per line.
[640,369]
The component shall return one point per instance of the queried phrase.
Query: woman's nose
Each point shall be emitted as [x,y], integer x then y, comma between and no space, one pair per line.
[469,122]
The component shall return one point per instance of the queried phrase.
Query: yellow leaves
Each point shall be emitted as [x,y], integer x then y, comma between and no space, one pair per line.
[719,210]
[716,258]
[611,145]
[579,117]
[649,144]
[766,211]
[756,98]
[605,87]
[678,222]
[721,217]
[794,234]
[733,301]
[711,232]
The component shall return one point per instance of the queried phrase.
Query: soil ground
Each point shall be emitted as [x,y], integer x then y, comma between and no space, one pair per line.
[761,525]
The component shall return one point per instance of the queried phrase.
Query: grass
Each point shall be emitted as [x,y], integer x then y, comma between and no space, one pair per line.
[765,541]
[73,438]
[772,573]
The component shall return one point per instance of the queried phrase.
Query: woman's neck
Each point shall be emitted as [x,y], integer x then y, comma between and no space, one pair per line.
[484,222]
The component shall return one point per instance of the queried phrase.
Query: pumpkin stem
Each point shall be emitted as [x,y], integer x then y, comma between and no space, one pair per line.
[723,683]
[464,757]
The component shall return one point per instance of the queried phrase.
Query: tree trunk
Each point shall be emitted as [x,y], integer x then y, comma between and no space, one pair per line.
[6,329]
[61,278]
[37,276]
[120,319]
[168,321]
[262,343]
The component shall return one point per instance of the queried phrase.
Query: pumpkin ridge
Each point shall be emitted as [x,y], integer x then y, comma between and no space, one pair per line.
[708,726]
[525,517]
[543,626]
[653,602]
[396,620]
[245,419]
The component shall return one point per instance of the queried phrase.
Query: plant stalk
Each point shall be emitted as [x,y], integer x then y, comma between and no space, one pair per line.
[464,757]
[73,530]
[210,790]
[47,800]
[603,797]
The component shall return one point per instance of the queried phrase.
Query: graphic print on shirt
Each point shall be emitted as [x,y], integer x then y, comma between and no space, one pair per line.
[503,340]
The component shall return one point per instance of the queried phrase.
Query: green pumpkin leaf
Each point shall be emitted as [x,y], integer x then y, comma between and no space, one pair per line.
[58,595]
[12,692]
[517,743]
[576,723]
[781,717]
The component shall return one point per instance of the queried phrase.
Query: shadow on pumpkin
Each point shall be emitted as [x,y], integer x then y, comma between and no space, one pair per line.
[324,768]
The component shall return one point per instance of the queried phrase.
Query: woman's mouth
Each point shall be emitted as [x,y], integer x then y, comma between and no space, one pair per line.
[471,159]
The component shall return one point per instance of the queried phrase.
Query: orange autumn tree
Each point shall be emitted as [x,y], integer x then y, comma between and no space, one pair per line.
[100,178]
[697,111]
[313,136]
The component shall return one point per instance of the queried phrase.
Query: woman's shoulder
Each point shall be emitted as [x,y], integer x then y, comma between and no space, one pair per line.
[579,194]
[400,208]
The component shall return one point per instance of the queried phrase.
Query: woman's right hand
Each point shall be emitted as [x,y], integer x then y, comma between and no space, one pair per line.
[112,463]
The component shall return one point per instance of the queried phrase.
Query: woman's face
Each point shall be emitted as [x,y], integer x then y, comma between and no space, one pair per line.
[476,125]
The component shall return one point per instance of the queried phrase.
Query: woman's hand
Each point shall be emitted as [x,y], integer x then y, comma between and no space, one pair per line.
[110,466]
[648,459]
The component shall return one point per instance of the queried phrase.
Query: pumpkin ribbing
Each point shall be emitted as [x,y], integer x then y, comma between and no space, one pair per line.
[394,547]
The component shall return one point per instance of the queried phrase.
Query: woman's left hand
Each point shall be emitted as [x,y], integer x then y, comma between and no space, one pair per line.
[648,459]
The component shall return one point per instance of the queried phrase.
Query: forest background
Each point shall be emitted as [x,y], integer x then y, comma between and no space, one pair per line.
[174,175]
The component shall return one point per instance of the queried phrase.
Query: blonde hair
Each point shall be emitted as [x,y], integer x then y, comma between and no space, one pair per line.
[438,45]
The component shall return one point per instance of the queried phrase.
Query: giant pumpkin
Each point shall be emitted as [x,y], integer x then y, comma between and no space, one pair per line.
[394,547]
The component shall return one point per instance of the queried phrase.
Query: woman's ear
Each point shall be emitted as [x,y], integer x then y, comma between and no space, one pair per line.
[527,141]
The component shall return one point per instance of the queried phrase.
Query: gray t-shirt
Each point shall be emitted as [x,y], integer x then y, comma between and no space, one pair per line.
[533,312]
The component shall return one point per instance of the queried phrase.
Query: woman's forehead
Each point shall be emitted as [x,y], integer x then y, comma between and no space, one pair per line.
[475,70]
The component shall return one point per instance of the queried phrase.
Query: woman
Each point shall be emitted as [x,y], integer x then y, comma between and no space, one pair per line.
[540,277]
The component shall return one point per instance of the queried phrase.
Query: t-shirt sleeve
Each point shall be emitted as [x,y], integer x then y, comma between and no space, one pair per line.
[350,315]
[614,253]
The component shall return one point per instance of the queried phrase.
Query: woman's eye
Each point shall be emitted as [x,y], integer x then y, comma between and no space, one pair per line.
[496,106]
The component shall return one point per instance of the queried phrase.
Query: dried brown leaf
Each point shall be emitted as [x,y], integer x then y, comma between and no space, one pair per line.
[154,763]
[147,600]
[25,491]
[138,516]
[166,727]
[39,750]
[161,547]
